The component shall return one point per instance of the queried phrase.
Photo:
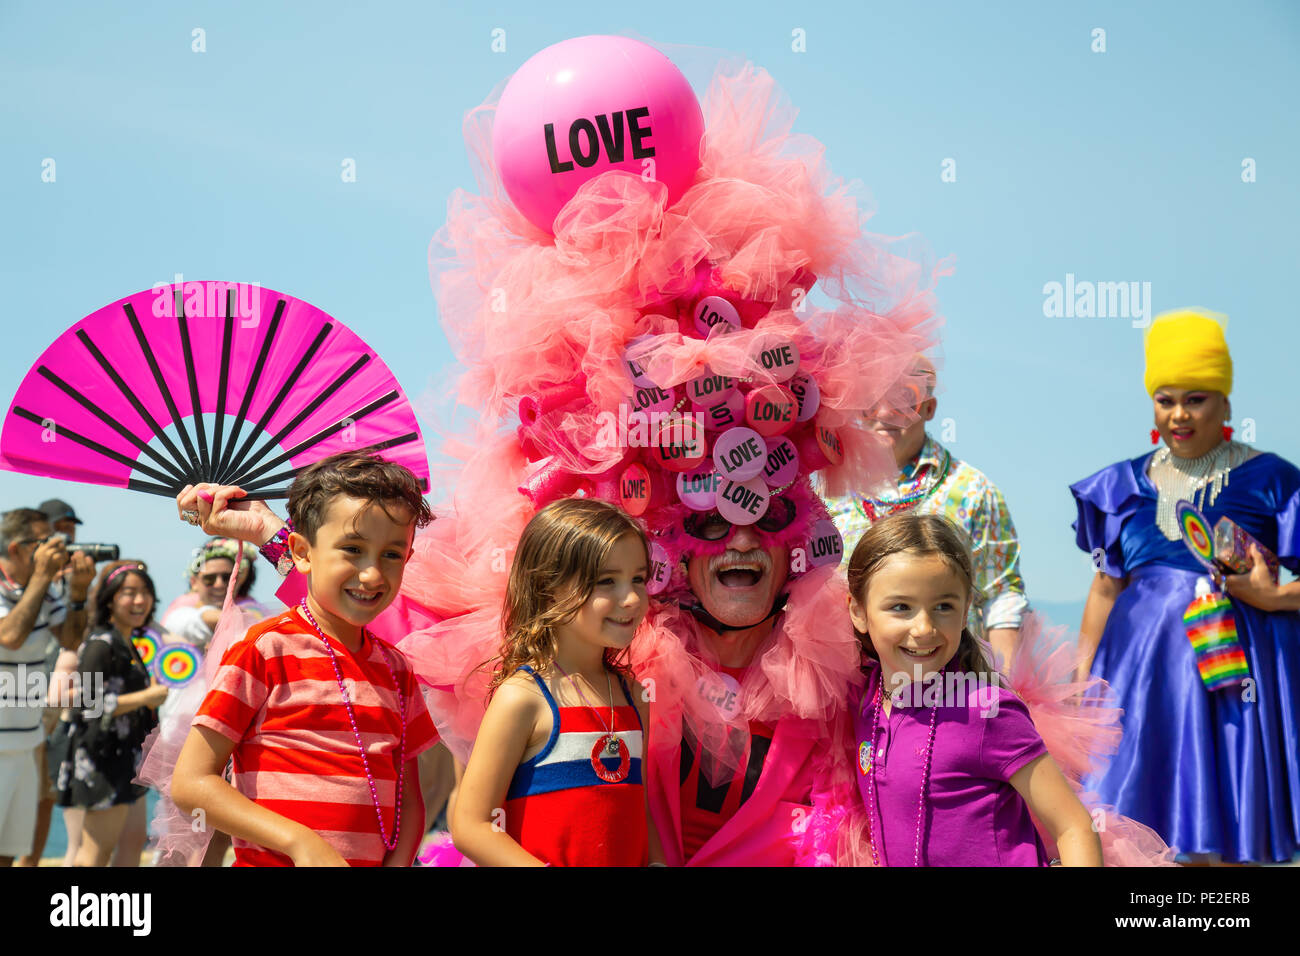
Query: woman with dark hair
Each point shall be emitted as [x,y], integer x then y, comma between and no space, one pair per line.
[115,710]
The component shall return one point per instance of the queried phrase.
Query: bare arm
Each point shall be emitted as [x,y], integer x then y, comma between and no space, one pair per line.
[1003,641]
[96,659]
[1053,801]
[73,628]
[509,726]
[197,784]
[412,826]
[1101,599]
[16,626]
[49,558]
[152,697]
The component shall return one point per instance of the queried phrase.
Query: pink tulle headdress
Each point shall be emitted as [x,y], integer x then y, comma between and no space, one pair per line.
[564,338]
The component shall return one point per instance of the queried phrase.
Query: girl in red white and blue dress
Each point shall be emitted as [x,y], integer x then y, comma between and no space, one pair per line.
[555,776]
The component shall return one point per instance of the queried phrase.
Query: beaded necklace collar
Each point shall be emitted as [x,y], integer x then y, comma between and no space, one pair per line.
[930,472]
[1198,480]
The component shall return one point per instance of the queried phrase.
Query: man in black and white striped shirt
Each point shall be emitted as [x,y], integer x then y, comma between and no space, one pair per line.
[31,613]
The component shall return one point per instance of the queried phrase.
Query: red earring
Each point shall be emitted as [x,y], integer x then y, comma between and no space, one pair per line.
[1155,437]
[1227,433]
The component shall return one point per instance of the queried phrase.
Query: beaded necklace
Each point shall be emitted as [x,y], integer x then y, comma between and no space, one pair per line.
[611,744]
[918,489]
[873,816]
[1198,480]
[352,718]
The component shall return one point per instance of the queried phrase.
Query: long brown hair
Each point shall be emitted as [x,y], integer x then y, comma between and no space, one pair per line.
[920,535]
[555,570]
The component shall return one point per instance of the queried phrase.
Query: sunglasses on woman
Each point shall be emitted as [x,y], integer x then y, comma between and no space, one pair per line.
[215,578]
[711,526]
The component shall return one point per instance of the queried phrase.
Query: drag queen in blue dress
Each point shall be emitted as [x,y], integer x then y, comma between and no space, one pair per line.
[1215,773]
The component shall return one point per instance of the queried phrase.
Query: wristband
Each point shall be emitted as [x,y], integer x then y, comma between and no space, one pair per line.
[75,607]
[276,550]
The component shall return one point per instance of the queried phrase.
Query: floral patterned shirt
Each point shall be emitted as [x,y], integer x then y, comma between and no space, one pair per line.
[970,501]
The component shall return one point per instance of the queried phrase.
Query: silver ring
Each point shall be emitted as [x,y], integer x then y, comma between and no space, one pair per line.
[192,517]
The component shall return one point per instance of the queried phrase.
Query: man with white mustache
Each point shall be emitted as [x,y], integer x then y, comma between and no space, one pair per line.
[739,598]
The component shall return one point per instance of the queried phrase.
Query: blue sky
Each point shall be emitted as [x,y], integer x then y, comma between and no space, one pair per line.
[1123,165]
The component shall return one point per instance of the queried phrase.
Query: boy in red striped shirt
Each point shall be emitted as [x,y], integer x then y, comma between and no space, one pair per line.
[323,721]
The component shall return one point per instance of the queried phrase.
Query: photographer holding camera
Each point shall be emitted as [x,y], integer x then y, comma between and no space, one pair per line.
[32,558]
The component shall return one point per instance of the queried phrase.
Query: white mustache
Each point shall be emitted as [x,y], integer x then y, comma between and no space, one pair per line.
[731,559]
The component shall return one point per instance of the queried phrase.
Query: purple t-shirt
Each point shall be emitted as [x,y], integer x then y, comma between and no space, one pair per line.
[973,816]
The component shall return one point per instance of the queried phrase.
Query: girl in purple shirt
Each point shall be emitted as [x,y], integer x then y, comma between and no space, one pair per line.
[950,766]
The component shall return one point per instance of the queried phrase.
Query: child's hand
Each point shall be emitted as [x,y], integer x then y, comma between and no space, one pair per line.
[311,850]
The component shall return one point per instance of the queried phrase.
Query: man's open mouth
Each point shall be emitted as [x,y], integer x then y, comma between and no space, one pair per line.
[734,571]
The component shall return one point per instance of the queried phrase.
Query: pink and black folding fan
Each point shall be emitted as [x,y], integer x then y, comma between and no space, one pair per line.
[206,381]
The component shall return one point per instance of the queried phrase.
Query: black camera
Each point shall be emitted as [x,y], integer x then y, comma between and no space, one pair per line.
[97,552]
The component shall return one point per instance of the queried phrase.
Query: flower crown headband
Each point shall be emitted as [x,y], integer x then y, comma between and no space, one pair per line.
[221,548]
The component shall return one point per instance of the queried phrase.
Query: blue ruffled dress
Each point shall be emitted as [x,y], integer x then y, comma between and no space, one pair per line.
[1210,772]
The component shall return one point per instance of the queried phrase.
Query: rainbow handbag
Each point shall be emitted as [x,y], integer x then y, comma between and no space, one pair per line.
[1212,629]
[1210,624]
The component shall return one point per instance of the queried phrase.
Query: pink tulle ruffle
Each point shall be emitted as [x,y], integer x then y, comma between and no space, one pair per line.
[542,328]
[807,669]
[1079,724]
[178,841]
[764,219]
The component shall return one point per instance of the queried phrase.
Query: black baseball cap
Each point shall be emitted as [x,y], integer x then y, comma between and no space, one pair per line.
[56,510]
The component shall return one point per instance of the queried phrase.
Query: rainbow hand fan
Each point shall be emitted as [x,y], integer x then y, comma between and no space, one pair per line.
[146,645]
[1197,534]
[178,664]
[1223,549]
[206,382]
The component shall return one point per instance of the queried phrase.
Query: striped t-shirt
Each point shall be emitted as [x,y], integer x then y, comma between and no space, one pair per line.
[24,669]
[276,695]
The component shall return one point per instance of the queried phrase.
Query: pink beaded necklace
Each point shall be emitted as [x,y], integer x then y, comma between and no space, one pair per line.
[352,717]
[873,817]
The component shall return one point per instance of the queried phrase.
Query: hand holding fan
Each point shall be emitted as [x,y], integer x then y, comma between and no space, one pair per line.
[206,382]
[1223,549]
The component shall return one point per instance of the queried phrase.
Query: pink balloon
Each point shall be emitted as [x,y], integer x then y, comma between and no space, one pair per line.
[588,105]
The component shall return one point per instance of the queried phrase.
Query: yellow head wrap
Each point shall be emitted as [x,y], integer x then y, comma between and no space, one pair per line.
[1186,349]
